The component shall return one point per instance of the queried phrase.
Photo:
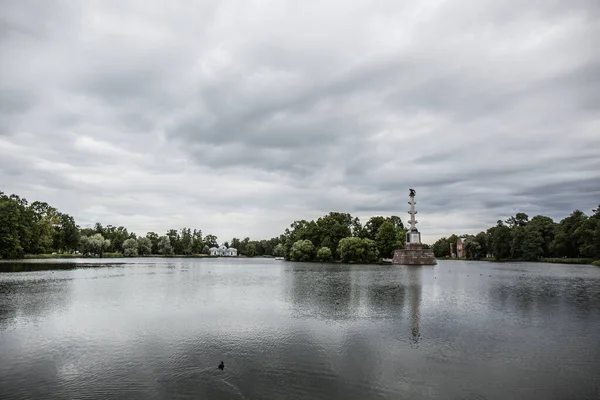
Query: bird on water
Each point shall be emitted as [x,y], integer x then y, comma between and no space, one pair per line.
[221,366]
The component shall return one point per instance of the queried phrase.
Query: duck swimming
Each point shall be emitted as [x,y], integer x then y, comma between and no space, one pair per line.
[221,366]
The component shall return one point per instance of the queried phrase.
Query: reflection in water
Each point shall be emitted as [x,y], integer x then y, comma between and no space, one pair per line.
[26,300]
[324,295]
[414,275]
[157,329]
[32,265]
[535,294]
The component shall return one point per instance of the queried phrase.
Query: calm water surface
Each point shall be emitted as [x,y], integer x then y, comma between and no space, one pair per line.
[158,328]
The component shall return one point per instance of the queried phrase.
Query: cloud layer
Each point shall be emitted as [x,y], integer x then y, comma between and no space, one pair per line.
[240,117]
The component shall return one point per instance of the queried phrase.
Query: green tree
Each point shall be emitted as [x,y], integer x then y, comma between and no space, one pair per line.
[532,246]
[472,249]
[154,238]
[568,235]
[197,243]
[187,241]
[387,239]
[10,227]
[94,245]
[517,238]
[66,236]
[144,246]
[330,229]
[521,219]
[175,241]
[251,249]
[130,248]
[500,240]
[302,250]
[211,241]
[546,227]
[441,248]
[353,249]
[279,250]
[324,254]
[164,246]
[482,239]
[372,226]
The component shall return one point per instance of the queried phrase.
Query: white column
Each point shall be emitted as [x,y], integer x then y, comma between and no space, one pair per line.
[412,213]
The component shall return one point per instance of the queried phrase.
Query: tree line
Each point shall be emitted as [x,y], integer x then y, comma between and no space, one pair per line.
[339,236]
[521,238]
[39,228]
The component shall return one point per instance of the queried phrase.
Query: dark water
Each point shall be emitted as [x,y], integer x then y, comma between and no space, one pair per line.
[157,329]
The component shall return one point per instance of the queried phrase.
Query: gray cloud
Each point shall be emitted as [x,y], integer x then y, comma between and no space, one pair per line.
[239,119]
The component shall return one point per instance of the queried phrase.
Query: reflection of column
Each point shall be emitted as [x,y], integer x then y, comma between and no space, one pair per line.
[415,304]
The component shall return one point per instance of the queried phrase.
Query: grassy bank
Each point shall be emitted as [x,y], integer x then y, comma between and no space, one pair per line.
[542,260]
[568,260]
[111,255]
[50,256]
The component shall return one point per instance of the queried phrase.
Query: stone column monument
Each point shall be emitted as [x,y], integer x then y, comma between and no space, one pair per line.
[413,253]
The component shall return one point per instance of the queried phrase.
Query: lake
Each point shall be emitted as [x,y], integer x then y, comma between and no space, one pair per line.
[155,328]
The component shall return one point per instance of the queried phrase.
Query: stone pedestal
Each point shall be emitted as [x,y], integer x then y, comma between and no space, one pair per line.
[414,254]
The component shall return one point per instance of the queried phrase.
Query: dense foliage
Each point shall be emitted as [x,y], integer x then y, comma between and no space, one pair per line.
[339,236]
[519,238]
[38,228]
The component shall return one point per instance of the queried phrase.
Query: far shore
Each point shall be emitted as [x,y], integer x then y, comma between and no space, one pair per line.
[582,261]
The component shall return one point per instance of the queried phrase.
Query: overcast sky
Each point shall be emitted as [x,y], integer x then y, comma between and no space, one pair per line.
[239,117]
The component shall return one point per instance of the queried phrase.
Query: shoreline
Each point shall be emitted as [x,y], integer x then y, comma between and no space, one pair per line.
[573,261]
[578,261]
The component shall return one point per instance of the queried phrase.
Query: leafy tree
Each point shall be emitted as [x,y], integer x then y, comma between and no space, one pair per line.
[302,250]
[518,236]
[324,254]
[532,246]
[164,246]
[387,239]
[144,246]
[546,227]
[356,227]
[482,239]
[251,249]
[211,241]
[568,235]
[154,238]
[187,241]
[500,238]
[279,250]
[175,241]
[372,226]
[130,248]
[331,229]
[472,249]
[94,245]
[441,248]
[197,244]
[66,234]
[10,227]
[353,249]
[521,219]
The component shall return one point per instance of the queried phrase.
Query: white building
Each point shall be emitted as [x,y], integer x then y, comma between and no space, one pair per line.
[223,251]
